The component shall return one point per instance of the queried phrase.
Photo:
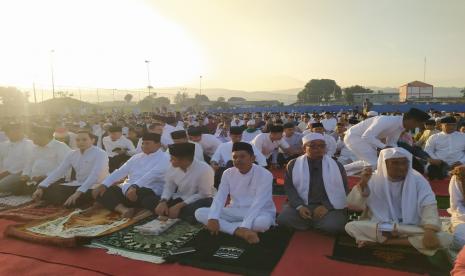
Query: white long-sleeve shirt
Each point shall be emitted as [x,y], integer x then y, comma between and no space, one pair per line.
[143,170]
[449,148]
[249,136]
[224,153]
[165,141]
[91,167]
[457,202]
[251,191]
[209,144]
[266,146]
[372,130]
[45,159]
[122,143]
[329,124]
[193,184]
[14,156]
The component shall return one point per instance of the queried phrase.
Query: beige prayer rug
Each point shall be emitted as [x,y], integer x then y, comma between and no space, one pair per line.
[73,229]
[8,201]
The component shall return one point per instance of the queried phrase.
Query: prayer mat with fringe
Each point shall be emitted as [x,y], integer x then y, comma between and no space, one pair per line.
[132,244]
[73,229]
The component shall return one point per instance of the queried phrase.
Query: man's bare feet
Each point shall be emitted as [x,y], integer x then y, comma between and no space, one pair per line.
[124,211]
[247,234]
[361,244]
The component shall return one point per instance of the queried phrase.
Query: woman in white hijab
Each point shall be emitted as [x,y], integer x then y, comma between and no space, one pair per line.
[399,206]
[457,207]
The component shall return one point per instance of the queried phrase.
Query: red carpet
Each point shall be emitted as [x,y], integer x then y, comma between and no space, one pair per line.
[307,254]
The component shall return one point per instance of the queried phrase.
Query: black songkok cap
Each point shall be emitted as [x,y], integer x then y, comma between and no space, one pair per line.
[276,128]
[288,125]
[178,134]
[238,146]
[194,131]
[448,120]
[417,114]
[317,125]
[182,150]
[430,122]
[115,129]
[235,130]
[151,137]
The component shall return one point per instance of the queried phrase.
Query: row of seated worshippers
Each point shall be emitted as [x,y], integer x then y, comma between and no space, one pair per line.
[399,205]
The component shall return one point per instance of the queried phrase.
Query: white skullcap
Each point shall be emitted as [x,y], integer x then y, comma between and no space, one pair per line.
[251,122]
[372,113]
[312,136]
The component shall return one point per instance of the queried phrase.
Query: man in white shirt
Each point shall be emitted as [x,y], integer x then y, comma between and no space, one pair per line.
[364,139]
[91,166]
[119,148]
[180,136]
[143,186]
[14,156]
[329,140]
[47,155]
[250,132]
[222,159]
[267,143]
[237,122]
[189,184]
[329,122]
[251,208]
[446,149]
[208,142]
[294,139]
[304,120]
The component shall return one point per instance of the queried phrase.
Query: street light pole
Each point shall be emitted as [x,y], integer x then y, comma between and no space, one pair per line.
[200,86]
[51,68]
[148,75]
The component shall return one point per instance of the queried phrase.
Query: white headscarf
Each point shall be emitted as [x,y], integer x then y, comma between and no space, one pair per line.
[332,178]
[416,191]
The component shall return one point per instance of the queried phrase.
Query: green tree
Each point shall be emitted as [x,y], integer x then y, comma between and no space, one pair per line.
[150,102]
[201,98]
[356,89]
[128,98]
[463,92]
[180,98]
[236,99]
[317,90]
[221,99]
[11,96]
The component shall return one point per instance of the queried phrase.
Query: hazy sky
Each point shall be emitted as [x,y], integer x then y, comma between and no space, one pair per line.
[236,44]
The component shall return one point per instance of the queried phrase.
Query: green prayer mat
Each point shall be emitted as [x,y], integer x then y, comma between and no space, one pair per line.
[151,248]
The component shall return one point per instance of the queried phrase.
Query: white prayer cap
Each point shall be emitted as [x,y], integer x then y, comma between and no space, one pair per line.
[372,113]
[251,122]
[312,136]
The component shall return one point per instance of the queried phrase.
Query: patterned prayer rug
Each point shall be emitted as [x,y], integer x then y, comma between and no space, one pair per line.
[74,229]
[33,211]
[234,255]
[11,201]
[401,258]
[132,244]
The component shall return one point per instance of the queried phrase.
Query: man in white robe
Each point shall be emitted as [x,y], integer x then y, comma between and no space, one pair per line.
[189,184]
[222,159]
[329,122]
[251,208]
[91,166]
[399,206]
[446,149]
[364,139]
[250,132]
[145,178]
[316,186]
[267,143]
[180,136]
[208,142]
[118,148]
[457,207]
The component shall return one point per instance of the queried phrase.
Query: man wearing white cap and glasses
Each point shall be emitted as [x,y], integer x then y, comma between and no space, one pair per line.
[399,206]
[316,186]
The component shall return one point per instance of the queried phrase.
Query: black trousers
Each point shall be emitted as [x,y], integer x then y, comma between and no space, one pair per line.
[188,211]
[57,194]
[116,162]
[438,171]
[114,196]
[283,160]
[219,173]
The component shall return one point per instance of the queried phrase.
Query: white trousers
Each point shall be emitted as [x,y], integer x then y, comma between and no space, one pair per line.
[362,150]
[231,218]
